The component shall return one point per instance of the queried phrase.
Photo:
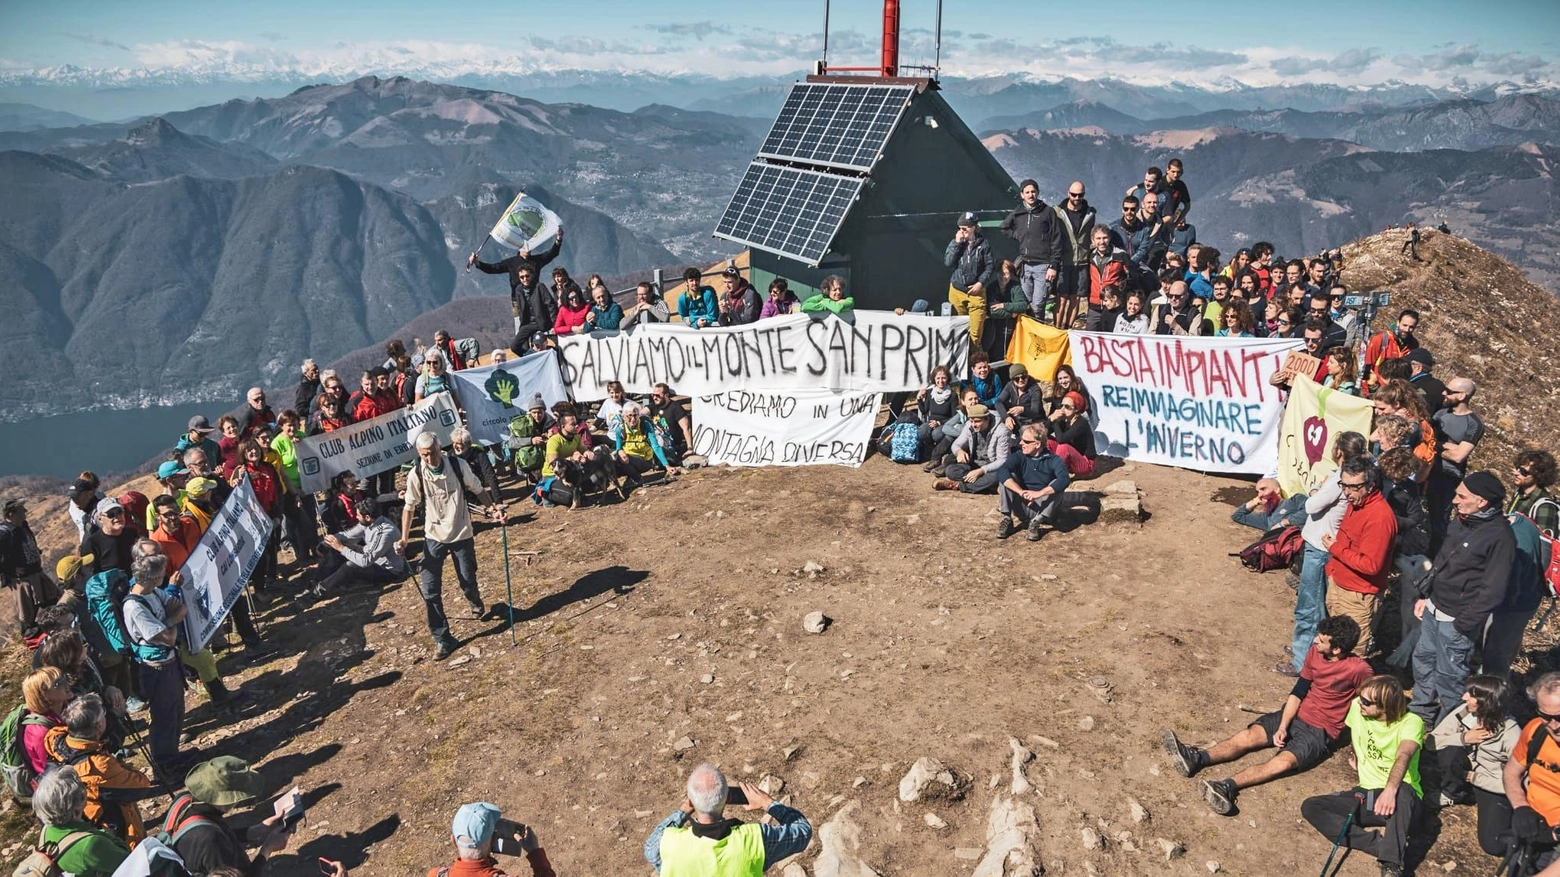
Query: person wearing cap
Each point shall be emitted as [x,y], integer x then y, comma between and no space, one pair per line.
[1420,362]
[696,840]
[473,830]
[831,299]
[739,301]
[969,256]
[84,497]
[1394,343]
[171,478]
[528,437]
[1042,245]
[1020,402]
[648,307]
[1469,579]
[697,304]
[21,565]
[441,482]
[198,825]
[979,452]
[780,301]
[254,414]
[1073,439]
[110,541]
[197,434]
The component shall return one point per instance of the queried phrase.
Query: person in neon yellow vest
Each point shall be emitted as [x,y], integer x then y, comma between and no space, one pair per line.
[697,841]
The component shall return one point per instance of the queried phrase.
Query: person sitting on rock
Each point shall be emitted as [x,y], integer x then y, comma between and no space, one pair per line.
[697,840]
[944,437]
[1033,481]
[979,453]
[1305,731]
[474,831]
[1074,437]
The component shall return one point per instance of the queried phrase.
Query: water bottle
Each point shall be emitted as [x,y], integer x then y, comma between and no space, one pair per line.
[947,308]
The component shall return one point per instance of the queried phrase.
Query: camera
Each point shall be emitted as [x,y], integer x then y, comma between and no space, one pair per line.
[1353,300]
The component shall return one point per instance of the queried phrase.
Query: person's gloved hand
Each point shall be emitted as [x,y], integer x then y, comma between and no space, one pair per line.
[1527,825]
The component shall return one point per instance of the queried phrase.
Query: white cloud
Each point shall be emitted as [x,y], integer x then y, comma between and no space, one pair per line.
[774,54]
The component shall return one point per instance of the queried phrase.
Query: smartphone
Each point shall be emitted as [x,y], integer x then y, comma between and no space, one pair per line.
[735,795]
[504,833]
[327,867]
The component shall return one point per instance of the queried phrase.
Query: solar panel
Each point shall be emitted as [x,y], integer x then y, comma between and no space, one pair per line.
[836,125]
[789,211]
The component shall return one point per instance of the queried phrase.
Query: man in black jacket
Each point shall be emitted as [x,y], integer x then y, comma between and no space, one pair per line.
[1041,245]
[523,294]
[1468,581]
[308,388]
[969,255]
[1077,219]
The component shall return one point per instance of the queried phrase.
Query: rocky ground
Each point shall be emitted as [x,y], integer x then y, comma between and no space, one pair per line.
[970,706]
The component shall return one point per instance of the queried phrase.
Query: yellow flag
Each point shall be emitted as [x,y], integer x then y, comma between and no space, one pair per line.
[1039,347]
[1313,419]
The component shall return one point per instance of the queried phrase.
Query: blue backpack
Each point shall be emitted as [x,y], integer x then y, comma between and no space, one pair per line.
[904,442]
[106,594]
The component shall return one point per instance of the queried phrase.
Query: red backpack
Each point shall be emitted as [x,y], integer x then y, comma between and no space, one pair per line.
[1278,548]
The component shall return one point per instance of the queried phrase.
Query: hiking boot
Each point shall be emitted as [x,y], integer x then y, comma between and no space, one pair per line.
[254,648]
[478,611]
[1285,668]
[1033,533]
[446,648]
[929,465]
[1187,760]
[1389,870]
[1005,528]
[1220,795]
[945,484]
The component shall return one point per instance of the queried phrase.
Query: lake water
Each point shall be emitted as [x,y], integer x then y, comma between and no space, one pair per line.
[103,441]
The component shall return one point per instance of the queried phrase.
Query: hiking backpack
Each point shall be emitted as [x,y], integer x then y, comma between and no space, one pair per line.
[43,860]
[14,764]
[1278,548]
[1550,572]
[904,442]
[180,821]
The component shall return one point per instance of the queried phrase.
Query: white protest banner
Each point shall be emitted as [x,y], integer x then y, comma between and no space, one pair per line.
[526,224]
[213,577]
[373,446]
[878,353]
[784,427]
[1194,402]
[495,394]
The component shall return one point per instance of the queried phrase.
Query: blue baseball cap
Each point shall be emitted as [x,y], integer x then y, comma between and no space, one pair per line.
[168,469]
[474,823]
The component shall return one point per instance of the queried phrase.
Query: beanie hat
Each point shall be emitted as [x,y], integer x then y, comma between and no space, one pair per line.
[1487,487]
[1026,184]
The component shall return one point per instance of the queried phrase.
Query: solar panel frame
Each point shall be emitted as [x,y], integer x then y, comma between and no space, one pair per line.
[789,211]
[836,125]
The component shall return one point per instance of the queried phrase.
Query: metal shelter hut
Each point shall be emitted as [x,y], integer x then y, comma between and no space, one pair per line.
[866,177]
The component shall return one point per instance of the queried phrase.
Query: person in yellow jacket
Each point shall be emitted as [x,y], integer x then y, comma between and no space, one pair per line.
[697,841]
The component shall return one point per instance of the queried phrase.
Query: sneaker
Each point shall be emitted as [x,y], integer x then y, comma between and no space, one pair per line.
[1005,528]
[929,465]
[1033,533]
[945,484]
[1186,760]
[1220,795]
[478,611]
[1391,870]
[1285,668]
[446,648]
[134,704]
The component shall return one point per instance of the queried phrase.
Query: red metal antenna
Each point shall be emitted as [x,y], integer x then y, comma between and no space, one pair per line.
[890,38]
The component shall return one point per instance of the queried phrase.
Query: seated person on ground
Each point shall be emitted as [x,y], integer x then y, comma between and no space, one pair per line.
[1305,731]
[980,452]
[943,438]
[1020,401]
[80,848]
[112,787]
[368,549]
[1473,743]
[1074,435]
[1032,483]
[636,447]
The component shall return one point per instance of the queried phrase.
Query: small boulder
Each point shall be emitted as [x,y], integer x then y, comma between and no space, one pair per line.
[1138,811]
[928,779]
[840,839]
[1172,849]
[934,821]
[1091,839]
[683,743]
[816,622]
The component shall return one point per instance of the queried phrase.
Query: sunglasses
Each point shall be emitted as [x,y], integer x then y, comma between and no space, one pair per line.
[1548,717]
[1524,471]
[1075,194]
[1367,702]
[114,513]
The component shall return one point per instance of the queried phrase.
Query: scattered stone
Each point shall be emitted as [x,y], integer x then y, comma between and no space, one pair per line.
[928,779]
[462,660]
[675,636]
[789,752]
[644,814]
[707,678]
[1123,503]
[913,519]
[1449,865]
[1021,757]
[1139,812]
[1172,849]
[771,785]
[858,782]
[475,652]
[1047,742]
[1092,839]
[1213,867]
[812,567]
[1086,723]
[793,869]
[1099,686]
[683,744]
[968,854]
[933,820]
[840,838]
[815,622]
[1012,841]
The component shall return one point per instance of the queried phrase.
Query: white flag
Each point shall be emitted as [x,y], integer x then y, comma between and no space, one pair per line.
[526,224]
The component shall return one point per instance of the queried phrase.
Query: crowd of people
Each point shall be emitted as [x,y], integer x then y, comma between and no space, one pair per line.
[1403,515]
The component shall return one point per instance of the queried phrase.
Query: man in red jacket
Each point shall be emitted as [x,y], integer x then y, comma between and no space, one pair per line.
[1362,549]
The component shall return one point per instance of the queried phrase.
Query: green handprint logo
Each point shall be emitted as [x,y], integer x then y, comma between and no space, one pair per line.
[502,387]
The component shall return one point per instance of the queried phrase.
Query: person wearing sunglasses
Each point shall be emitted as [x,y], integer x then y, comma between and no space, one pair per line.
[1387,740]
[1072,283]
[1361,548]
[1532,780]
[1470,578]
[109,541]
[1533,473]
[1304,732]
[1032,482]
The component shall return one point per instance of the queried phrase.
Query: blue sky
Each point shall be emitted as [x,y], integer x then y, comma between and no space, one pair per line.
[1433,41]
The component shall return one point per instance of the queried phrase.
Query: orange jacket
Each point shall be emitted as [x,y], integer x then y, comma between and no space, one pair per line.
[106,778]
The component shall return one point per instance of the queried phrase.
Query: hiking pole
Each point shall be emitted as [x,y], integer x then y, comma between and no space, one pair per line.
[1359,801]
[509,591]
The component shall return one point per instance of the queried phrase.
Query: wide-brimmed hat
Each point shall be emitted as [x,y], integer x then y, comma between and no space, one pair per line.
[224,781]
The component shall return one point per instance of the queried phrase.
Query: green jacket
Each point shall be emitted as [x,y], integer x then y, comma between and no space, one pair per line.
[96,855]
[821,303]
